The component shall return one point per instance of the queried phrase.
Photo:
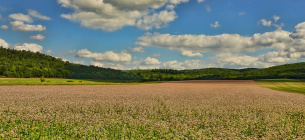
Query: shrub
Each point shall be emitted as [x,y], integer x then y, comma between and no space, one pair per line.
[42,79]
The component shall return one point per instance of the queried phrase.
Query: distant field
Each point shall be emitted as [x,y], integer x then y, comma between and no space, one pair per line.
[171,110]
[288,85]
[57,81]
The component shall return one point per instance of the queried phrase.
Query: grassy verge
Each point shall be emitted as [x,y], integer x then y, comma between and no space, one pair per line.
[58,81]
[287,85]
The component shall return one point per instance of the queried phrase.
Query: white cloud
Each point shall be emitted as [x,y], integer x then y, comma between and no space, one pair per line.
[111,15]
[21,17]
[138,49]
[201,43]
[264,22]
[276,18]
[191,54]
[38,37]
[3,43]
[48,51]
[286,46]
[157,20]
[106,56]
[29,47]
[215,25]
[299,32]
[78,62]
[20,26]
[34,13]
[229,60]
[108,65]
[151,61]
[4,27]
[275,57]
[200,1]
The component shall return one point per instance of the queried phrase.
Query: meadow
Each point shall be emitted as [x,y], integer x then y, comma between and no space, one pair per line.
[287,85]
[170,110]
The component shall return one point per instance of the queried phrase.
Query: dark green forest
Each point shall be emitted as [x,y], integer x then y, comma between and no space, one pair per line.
[26,64]
[291,71]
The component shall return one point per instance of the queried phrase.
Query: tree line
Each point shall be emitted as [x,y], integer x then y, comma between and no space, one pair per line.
[26,64]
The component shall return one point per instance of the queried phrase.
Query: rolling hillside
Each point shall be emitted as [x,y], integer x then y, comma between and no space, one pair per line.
[26,64]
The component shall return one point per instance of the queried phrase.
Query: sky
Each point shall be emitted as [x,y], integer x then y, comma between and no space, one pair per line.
[153,34]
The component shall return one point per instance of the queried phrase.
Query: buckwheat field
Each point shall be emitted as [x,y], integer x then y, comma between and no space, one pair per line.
[171,110]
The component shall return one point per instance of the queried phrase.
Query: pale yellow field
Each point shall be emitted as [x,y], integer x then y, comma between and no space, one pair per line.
[172,110]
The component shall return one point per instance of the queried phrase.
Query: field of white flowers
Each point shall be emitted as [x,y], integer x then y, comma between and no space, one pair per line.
[172,110]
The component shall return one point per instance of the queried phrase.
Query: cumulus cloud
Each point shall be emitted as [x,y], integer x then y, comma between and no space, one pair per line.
[111,15]
[269,23]
[4,27]
[202,43]
[286,46]
[191,54]
[188,64]
[38,37]
[151,61]
[200,1]
[264,22]
[138,49]
[106,56]
[20,26]
[299,32]
[29,47]
[35,14]
[3,43]
[276,18]
[215,25]
[157,20]
[21,17]
[240,61]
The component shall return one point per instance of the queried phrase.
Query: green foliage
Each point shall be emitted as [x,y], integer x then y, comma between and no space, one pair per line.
[292,71]
[26,64]
[42,79]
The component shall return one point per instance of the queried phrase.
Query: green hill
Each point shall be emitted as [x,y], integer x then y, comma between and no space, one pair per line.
[26,64]
[292,71]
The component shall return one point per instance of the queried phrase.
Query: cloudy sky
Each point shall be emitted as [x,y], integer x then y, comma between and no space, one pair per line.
[148,34]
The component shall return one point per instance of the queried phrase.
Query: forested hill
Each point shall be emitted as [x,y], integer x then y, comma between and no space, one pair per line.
[26,64]
[293,71]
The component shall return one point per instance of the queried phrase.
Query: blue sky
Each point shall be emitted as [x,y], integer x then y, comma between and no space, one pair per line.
[148,34]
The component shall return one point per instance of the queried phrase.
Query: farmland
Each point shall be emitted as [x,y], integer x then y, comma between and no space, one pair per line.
[171,110]
[63,81]
[288,85]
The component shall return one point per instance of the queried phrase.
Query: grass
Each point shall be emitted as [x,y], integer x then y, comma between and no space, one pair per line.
[287,85]
[181,110]
[58,81]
